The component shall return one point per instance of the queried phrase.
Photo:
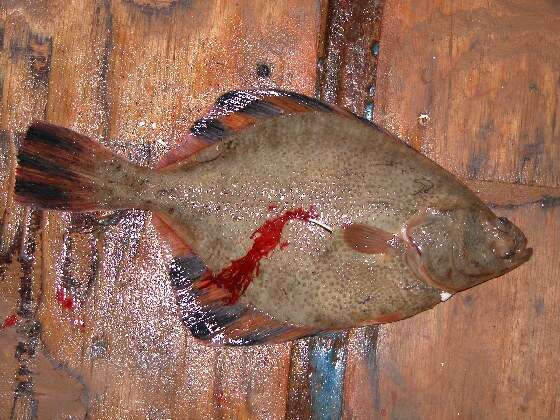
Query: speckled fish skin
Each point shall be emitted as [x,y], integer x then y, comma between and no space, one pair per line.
[402,233]
[349,172]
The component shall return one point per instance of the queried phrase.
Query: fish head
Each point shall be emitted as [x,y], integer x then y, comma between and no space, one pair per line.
[460,248]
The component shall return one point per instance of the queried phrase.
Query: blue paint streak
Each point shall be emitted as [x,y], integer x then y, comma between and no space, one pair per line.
[327,357]
[368,111]
[375,48]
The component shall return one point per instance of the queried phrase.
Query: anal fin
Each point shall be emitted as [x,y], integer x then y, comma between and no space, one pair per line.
[205,307]
[171,233]
[204,311]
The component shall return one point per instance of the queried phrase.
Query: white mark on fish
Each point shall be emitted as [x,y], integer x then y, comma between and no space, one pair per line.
[324,226]
[445,296]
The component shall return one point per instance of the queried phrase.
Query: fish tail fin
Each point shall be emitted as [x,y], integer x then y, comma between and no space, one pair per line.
[64,170]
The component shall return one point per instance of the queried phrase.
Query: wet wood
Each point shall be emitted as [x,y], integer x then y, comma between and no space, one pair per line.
[25,57]
[96,330]
[474,85]
[489,352]
[134,75]
[466,84]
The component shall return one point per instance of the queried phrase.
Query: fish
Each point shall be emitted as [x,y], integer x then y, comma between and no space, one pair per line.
[286,216]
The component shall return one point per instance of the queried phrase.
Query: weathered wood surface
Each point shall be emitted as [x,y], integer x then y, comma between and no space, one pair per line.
[485,76]
[96,330]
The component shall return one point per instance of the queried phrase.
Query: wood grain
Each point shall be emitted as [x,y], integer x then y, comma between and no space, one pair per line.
[135,75]
[474,85]
[25,57]
[97,334]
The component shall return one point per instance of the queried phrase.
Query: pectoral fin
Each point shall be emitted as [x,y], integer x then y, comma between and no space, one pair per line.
[368,239]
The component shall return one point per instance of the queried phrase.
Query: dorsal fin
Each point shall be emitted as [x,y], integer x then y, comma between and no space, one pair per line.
[204,310]
[237,110]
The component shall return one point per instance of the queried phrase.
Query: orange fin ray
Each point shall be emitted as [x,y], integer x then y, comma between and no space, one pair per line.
[205,312]
[367,239]
[237,110]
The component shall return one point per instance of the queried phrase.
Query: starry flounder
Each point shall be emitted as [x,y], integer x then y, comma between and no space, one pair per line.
[286,216]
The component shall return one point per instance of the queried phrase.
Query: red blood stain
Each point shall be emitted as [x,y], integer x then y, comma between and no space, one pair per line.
[219,397]
[284,244]
[10,321]
[67,302]
[272,206]
[238,275]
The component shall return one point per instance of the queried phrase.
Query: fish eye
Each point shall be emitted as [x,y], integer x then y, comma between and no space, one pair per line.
[503,223]
[508,254]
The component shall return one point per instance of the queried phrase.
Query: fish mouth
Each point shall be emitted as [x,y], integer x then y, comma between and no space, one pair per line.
[512,244]
[522,253]
[522,256]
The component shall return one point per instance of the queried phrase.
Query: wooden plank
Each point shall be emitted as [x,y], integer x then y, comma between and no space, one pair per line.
[490,104]
[25,57]
[348,68]
[482,353]
[445,69]
[135,75]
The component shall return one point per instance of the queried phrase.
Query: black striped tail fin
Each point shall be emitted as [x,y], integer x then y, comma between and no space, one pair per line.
[61,169]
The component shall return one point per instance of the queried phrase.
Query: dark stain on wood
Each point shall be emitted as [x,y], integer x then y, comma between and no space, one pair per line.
[98,348]
[35,48]
[70,284]
[158,7]
[18,46]
[533,150]
[539,305]
[475,164]
[486,129]
[39,49]
[348,67]
[25,400]
[468,300]
[13,246]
